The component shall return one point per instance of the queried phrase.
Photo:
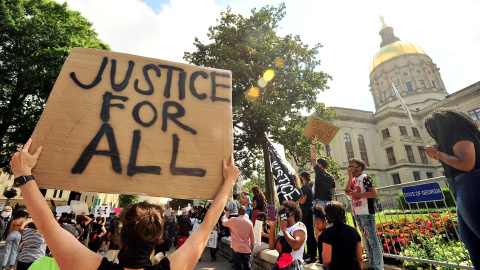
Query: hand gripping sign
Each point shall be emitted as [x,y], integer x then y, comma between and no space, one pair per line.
[119,123]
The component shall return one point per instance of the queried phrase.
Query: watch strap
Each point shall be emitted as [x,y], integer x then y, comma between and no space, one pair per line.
[22,180]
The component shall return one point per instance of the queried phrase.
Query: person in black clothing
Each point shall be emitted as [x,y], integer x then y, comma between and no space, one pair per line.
[307,217]
[183,228]
[342,245]
[324,181]
[258,203]
[84,222]
[320,220]
[98,231]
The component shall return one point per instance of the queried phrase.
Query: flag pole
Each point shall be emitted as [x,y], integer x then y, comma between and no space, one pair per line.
[408,112]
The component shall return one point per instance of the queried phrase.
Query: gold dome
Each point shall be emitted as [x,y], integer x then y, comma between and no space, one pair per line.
[394,49]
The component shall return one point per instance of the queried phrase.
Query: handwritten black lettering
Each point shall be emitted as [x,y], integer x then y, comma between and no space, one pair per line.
[173,116]
[124,83]
[214,86]
[145,74]
[132,167]
[193,90]
[181,81]
[107,97]
[91,150]
[136,113]
[95,81]
[182,171]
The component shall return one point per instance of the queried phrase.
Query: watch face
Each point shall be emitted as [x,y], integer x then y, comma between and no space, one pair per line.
[18,181]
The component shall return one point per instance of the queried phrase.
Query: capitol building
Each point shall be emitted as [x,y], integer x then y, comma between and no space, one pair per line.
[386,139]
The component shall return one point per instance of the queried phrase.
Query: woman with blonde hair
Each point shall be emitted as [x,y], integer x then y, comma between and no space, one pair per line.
[142,226]
[258,203]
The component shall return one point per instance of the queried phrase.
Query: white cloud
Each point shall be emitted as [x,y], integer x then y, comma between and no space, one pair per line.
[448,31]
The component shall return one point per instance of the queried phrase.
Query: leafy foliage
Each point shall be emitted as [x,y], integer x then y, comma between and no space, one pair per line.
[176,203]
[249,47]
[36,39]
[125,200]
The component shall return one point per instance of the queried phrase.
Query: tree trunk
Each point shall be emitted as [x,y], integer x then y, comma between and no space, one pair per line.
[269,187]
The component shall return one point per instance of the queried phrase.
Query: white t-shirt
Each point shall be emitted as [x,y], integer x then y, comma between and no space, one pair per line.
[297,254]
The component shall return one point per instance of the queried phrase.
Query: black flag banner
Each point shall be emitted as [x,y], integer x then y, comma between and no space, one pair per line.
[283,176]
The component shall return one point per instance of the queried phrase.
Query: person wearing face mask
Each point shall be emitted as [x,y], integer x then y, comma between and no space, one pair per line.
[290,241]
[360,187]
[7,210]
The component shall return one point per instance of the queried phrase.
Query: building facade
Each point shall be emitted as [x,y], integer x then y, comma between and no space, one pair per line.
[386,139]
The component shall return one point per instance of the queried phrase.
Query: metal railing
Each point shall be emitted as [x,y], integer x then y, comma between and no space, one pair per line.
[420,232]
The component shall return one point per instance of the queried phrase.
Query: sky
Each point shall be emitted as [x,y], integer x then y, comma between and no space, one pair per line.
[449,32]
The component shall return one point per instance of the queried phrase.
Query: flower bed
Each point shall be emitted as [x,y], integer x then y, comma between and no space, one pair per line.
[431,236]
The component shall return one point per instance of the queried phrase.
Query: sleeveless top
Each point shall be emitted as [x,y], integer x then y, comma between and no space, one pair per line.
[296,254]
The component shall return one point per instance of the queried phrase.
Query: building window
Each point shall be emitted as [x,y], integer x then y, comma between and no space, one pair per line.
[392,78]
[418,72]
[348,145]
[429,174]
[55,193]
[415,132]
[409,86]
[403,131]
[475,114]
[422,84]
[363,149]
[423,155]
[405,74]
[416,176]
[86,198]
[328,150]
[385,133]
[433,84]
[396,179]
[93,197]
[391,156]
[385,94]
[60,194]
[408,149]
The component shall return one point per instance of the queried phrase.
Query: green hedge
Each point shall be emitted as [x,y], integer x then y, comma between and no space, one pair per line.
[448,199]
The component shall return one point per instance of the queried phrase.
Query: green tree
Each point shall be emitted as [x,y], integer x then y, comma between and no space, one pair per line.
[176,203]
[124,200]
[35,40]
[249,47]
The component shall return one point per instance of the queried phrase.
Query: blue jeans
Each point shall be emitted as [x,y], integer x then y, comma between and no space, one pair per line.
[367,226]
[11,248]
[242,258]
[321,203]
[466,187]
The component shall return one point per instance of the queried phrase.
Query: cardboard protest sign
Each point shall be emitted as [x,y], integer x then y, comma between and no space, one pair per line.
[257,232]
[119,123]
[63,209]
[79,208]
[102,210]
[325,131]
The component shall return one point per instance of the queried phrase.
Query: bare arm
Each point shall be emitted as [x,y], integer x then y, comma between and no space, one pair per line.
[271,234]
[254,204]
[302,199]
[88,220]
[463,158]
[187,256]
[327,254]
[69,253]
[24,224]
[359,255]
[371,193]
[295,241]
[104,231]
[313,154]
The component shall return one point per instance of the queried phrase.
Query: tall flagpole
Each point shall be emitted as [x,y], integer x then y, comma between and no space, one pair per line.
[408,112]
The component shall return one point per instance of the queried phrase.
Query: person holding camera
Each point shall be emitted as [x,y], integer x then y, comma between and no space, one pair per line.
[290,241]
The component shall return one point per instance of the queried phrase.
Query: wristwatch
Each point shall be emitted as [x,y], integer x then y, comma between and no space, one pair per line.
[22,180]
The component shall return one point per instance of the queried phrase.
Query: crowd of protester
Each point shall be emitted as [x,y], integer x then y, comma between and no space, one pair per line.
[312,229]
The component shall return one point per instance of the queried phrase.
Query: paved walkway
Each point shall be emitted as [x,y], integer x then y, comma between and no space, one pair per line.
[206,264]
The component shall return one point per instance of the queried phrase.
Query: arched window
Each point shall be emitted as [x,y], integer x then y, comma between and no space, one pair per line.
[363,149]
[348,145]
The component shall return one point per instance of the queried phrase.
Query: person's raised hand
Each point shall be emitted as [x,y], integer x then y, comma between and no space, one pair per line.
[230,171]
[315,137]
[23,162]
[273,222]
[431,152]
